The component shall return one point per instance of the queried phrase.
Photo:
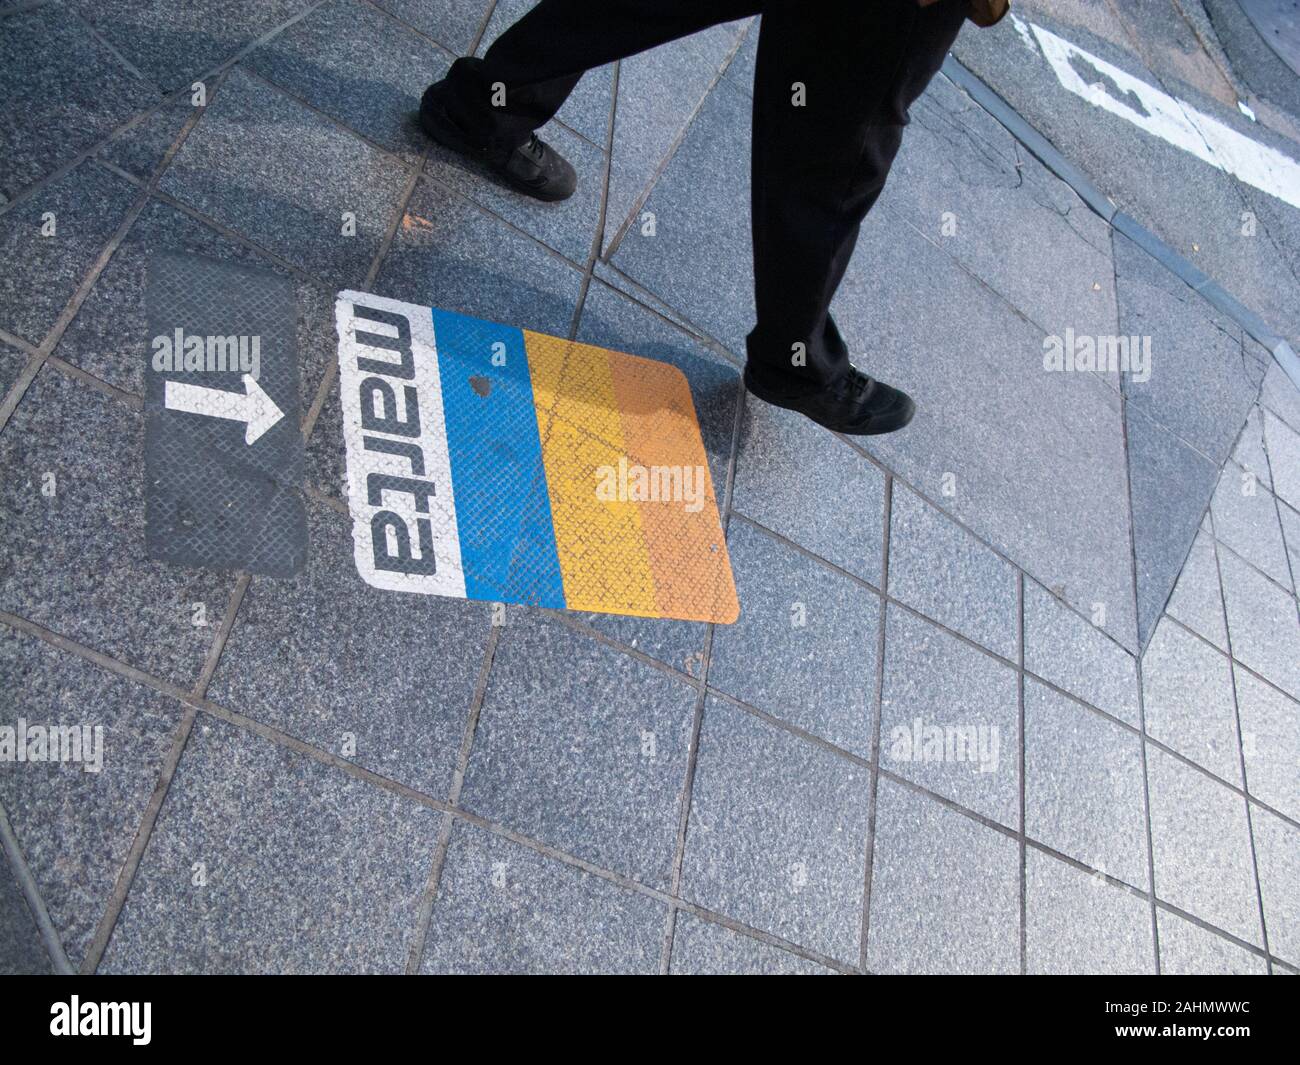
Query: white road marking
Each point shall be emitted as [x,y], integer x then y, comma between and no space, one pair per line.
[1174,121]
[255,408]
[1022,28]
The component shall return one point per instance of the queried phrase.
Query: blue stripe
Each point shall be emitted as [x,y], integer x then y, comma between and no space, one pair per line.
[503,510]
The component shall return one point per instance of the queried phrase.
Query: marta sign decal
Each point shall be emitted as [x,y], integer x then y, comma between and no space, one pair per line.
[490,462]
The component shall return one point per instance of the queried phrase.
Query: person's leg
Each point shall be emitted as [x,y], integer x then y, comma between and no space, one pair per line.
[525,76]
[818,167]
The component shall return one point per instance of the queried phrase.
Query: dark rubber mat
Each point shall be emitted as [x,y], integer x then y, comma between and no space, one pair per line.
[223,449]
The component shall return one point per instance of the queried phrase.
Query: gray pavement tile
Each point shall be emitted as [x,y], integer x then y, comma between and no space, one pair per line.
[804,649]
[950,718]
[587,109]
[1284,457]
[60,91]
[778,833]
[977,374]
[1201,845]
[658,94]
[1275,220]
[1017,227]
[39,274]
[1291,532]
[1270,359]
[1190,204]
[141,148]
[284,177]
[363,68]
[705,190]
[1279,394]
[1083,786]
[680,644]
[568,227]
[1197,600]
[1077,922]
[1065,649]
[1277,850]
[615,279]
[452,23]
[1259,359]
[611,320]
[1270,731]
[1261,356]
[21,951]
[12,362]
[1170,484]
[1262,623]
[75,560]
[583,748]
[265,861]
[503,908]
[1148,263]
[174,44]
[449,254]
[380,678]
[945,890]
[108,337]
[1246,519]
[75,827]
[1188,700]
[740,71]
[800,481]
[943,571]
[703,948]
[1187,949]
[1249,452]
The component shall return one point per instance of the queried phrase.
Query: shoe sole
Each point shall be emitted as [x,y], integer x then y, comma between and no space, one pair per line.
[878,425]
[452,141]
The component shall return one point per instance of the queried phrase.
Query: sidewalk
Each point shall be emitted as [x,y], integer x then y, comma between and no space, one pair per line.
[1090,575]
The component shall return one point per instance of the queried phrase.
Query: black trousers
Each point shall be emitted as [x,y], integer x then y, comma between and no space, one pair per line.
[832,87]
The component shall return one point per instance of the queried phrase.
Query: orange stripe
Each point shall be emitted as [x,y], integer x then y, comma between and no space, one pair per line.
[683,536]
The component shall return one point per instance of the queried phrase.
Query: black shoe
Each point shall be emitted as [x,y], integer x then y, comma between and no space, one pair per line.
[857,405]
[534,168]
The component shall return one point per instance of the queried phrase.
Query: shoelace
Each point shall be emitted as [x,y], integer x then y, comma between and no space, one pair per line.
[857,384]
[534,147]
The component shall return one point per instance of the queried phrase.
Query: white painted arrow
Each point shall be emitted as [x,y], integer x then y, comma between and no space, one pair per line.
[254,407]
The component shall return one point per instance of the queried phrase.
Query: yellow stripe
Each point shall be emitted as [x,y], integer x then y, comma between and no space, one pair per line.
[600,542]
